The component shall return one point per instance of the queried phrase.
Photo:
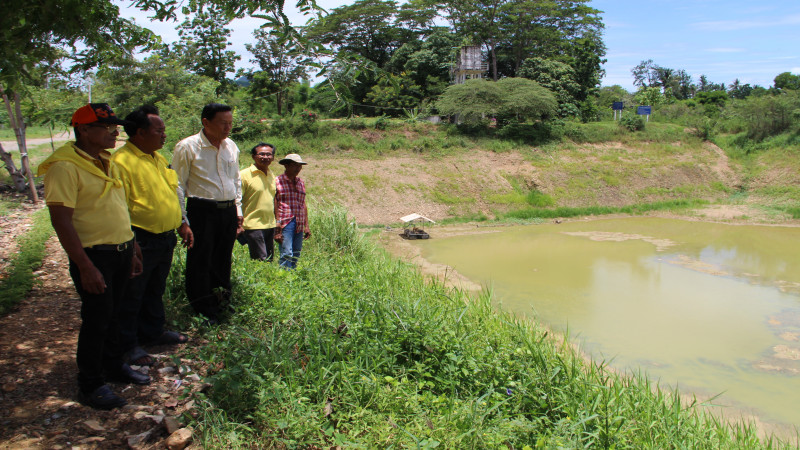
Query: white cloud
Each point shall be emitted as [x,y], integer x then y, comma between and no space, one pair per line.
[737,25]
[725,50]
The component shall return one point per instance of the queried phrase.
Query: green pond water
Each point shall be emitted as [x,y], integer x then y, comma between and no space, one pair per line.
[710,308]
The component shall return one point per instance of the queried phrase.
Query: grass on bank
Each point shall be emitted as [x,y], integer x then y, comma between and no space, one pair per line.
[638,208]
[359,350]
[19,278]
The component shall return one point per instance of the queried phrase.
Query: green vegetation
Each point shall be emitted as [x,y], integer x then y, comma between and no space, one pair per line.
[19,278]
[34,132]
[551,213]
[356,349]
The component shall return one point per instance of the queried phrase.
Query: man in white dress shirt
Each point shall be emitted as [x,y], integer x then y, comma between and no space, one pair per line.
[208,179]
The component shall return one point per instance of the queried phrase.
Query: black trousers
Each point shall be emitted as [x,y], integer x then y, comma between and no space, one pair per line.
[141,314]
[261,243]
[98,339]
[208,262]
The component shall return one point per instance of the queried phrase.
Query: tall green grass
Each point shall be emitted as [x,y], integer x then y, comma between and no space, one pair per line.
[359,350]
[19,279]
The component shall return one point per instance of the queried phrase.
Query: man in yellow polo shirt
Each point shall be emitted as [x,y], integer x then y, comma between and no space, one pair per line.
[258,191]
[152,199]
[89,214]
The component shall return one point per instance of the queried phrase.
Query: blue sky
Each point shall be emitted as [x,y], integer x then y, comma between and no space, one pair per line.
[723,39]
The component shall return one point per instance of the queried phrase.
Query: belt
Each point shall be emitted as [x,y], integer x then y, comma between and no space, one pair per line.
[212,203]
[112,247]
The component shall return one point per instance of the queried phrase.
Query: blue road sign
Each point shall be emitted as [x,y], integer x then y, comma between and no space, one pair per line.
[617,106]
[643,110]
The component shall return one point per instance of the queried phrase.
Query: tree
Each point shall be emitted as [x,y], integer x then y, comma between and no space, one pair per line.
[517,98]
[202,44]
[607,95]
[704,85]
[130,84]
[471,101]
[365,28]
[78,35]
[738,90]
[281,62]
[644,74]
[525,99]
[787,80]
[556,76]
[426,62]
[35,37]
[651,96]
[587,61]
[514,30]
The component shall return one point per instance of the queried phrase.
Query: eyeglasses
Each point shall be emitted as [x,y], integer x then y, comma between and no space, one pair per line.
[263,155]
[108,126]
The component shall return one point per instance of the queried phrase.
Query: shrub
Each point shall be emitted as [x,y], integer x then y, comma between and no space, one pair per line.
[299,125]
[632,122]
[535,133]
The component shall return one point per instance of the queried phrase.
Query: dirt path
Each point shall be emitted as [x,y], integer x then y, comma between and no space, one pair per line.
[38,407]
[12,145]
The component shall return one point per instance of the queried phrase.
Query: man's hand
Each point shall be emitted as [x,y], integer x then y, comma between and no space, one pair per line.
[187,237]
[277,235]
[239,225]
[92,280]
[137,265]
[307,234]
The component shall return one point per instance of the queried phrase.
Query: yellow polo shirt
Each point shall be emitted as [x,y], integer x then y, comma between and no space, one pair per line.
[74,179]
[150,188]
[258,191]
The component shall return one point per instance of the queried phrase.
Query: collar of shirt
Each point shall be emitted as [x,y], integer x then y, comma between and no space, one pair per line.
[155,155]
[102,161]
[254,170]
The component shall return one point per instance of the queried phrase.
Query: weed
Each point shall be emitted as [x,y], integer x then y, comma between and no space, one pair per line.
[19,280]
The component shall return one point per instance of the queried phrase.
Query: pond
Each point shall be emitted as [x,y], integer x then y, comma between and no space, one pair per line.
[710,308]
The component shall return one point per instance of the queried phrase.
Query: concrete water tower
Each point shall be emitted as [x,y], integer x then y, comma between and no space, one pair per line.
[471,64]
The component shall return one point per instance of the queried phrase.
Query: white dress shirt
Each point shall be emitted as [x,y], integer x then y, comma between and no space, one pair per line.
[206,172]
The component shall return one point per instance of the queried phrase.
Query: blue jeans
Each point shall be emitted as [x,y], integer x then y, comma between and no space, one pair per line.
[291,245]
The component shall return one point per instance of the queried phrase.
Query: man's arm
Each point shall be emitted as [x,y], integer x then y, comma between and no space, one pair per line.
[180,164]
[237,182]
[307,233]
[91,278]
[277,235]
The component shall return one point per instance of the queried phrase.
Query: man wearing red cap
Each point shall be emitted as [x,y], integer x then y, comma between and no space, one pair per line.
[90,216]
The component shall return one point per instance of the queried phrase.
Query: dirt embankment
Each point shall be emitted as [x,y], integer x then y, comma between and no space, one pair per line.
[480,182]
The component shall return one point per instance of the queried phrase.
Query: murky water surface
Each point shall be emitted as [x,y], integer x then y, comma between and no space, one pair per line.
[711,308]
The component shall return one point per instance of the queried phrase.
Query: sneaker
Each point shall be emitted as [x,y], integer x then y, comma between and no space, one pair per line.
[102,398]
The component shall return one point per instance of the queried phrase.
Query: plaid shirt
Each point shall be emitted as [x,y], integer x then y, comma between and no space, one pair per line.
[290,199]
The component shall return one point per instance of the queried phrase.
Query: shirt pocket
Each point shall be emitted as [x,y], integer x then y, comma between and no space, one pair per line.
[171,177]
[232,167]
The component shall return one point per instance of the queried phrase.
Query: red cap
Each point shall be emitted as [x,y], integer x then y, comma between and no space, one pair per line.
[95,112]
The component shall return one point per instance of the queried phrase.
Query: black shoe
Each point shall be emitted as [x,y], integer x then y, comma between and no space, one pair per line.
[210,321]
[102,398]
[127,375]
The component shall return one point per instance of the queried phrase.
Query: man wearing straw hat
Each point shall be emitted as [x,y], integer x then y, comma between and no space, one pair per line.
[291,212]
